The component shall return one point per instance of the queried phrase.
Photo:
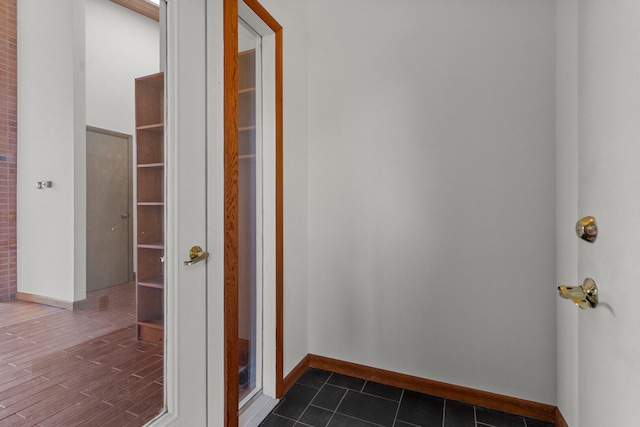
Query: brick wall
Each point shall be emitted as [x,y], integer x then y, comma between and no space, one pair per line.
[8,145]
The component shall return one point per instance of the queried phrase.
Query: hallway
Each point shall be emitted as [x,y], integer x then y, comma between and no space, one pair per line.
[82,367]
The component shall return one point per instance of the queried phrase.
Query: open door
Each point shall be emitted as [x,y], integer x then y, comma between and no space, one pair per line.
[598,364]
[186,195]
[202,205]
[251,209]
[608,178]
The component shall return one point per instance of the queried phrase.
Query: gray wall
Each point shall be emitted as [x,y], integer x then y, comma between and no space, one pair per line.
[76,64]
[432,190]
[292,15]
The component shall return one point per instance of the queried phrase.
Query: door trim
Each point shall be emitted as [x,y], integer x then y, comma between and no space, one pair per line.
[230,13]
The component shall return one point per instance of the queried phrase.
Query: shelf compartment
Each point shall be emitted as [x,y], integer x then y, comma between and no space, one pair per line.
[247,140]
[150,184]
[149,100]
[150,225]
[150,263]
[247,69]
[150,304]
[150,144]
[247,109]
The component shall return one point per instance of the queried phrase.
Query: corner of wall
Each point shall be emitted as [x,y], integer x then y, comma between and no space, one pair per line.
[292,15]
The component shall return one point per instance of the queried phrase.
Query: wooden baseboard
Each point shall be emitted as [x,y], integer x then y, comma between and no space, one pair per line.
[295,373]
[39,299]
[486,399]
[559,420]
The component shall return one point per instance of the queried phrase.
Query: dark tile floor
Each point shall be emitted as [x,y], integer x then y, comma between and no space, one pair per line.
[320,398]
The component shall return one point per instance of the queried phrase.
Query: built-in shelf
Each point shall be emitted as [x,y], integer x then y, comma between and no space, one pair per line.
[153,323]
[156,282]
[155,127]
[159,246]
[150,202]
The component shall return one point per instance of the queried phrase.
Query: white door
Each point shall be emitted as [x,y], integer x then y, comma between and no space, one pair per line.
[609,189]
[195,294]
[186,216]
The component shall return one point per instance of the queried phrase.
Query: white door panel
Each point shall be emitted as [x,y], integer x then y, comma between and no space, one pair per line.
[215,211]
[186,181]
[609,178]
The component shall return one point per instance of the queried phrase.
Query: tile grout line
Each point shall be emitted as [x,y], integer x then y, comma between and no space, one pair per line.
[314,396]
[444,412]
[475,416]
[395,418]
[358,419]
[364,392]
[339,403]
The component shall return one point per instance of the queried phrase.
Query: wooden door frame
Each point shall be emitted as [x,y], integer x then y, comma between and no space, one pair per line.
[231,203]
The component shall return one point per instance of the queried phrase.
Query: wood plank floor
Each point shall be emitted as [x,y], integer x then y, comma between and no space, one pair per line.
[78,368]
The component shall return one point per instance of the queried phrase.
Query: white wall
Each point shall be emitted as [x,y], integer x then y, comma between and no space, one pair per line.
[121,46]
[51,136]
[567,204]
[77,60]
[432,190]
[292,15]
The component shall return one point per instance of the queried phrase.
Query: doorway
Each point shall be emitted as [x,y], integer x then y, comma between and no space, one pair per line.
[109,201]
[95,49]
[253,206]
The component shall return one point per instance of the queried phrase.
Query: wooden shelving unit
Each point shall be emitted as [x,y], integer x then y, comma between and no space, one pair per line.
[149,92]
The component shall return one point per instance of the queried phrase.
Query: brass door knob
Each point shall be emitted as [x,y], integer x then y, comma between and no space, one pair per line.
[583,296]
[196,254]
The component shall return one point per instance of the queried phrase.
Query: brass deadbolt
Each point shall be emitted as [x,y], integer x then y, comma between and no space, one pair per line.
[587,229]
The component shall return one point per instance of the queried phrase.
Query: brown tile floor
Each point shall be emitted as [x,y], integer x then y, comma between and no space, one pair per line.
[78,368]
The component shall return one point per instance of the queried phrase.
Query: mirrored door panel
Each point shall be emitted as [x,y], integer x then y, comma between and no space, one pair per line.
[249,213]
